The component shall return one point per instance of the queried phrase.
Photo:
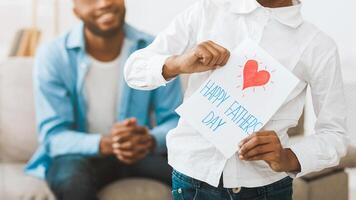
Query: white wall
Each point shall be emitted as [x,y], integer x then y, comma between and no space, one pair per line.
[336,18]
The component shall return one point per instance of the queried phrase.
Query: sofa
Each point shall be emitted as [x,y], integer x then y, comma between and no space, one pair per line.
[18,141]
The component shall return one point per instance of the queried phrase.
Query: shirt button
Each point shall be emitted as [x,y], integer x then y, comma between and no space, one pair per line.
[179,190]
[236,190]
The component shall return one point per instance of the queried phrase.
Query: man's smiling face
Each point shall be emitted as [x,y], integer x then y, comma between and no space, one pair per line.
[101,17]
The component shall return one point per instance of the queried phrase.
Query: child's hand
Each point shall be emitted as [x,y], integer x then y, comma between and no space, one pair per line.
[205,56]
[265,145]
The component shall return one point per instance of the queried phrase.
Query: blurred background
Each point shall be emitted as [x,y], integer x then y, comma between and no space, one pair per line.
[24,24]
[53,17]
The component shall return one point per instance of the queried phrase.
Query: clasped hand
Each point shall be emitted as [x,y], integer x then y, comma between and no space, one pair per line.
[128,141]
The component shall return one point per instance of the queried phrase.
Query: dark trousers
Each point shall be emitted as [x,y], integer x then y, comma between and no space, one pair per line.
[76,177]
[185,187]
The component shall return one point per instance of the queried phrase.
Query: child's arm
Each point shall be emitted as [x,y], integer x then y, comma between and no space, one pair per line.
[173,52]
[205,56]
[329,143]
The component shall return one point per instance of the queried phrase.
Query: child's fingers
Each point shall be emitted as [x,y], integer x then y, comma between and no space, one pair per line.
[203,54]
[224,53]
[242,142]
[265,157]
[259,133]
[253,142]
[257,150]
[216,54]
[226,57]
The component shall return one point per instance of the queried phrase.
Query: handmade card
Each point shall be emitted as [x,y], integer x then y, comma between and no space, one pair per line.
[239,98]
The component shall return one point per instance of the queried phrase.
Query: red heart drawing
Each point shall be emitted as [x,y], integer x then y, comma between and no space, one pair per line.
[252,77]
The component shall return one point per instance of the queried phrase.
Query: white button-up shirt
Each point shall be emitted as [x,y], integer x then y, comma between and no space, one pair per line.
[299,46]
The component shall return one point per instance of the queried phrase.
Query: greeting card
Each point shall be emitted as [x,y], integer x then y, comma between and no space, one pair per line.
[239,98]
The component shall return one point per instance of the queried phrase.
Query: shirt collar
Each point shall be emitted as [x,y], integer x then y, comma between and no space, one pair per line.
[75,37]
[290,16]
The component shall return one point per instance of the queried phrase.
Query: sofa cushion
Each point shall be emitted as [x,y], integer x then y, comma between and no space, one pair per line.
[328,187]
[17,185]
[136,189]
[17,116]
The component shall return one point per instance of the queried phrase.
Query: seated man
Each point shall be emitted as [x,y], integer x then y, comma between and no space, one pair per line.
[93,128]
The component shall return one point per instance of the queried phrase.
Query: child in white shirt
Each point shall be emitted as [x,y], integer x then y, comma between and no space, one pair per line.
[198,41]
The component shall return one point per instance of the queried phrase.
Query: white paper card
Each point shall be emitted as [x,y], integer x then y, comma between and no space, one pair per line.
[239,98]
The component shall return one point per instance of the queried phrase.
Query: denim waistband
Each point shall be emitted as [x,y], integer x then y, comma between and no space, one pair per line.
[283,183]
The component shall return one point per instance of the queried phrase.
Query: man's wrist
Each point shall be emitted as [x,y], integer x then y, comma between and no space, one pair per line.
[170,69]
[105,145]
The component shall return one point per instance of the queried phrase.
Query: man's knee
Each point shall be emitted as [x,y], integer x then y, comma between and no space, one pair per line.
[155,167]
[70,177]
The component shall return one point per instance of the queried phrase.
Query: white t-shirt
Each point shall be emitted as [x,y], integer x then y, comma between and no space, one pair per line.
[102,84]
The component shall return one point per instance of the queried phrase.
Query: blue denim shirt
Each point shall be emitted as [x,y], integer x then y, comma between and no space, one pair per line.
[60,68]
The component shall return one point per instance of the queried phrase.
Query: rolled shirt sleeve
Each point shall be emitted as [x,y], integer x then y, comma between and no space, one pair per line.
[143,69]
[71,142]
[325,148]
[142,73]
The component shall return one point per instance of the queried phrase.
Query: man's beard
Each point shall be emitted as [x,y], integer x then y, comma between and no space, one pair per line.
[108,33]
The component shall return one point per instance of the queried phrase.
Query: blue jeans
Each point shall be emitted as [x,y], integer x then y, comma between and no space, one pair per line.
[187,188]
[76,177]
